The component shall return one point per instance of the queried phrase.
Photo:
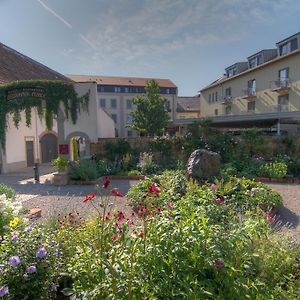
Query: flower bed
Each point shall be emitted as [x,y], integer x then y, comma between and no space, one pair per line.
[182,241]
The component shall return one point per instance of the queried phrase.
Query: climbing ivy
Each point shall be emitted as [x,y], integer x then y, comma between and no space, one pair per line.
[47,103]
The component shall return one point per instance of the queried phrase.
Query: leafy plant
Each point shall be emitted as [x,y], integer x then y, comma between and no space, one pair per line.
[61,163]
[84,169]
[274,170]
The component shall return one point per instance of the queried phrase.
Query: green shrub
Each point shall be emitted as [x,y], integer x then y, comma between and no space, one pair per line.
[146,163]
[85,170]
[274,170]
[9,192]
[61,163]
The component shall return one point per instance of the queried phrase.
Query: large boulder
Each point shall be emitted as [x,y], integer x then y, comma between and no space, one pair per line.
[203,164]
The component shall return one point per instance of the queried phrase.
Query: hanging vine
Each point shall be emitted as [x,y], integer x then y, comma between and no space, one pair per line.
[47,96]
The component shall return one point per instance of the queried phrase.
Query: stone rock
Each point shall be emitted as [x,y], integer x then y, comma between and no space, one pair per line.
[203,164]
[34,213]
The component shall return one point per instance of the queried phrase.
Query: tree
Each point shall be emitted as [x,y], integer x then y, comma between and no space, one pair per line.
[151,115]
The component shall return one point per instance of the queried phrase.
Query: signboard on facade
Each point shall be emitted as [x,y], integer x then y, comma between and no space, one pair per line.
[26,92]
[63,149]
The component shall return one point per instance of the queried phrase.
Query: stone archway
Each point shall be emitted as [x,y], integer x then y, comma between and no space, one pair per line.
[85,137]
[48,147]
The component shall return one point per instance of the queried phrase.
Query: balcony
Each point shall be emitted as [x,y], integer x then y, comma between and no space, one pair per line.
[227,100]
[249,94]
[281,86]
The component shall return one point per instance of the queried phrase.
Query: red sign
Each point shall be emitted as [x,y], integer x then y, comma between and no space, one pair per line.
[63,149]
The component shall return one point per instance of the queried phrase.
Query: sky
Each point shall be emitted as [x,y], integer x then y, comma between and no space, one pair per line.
[190,42]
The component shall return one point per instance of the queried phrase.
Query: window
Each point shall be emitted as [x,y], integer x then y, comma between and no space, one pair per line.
[283,102]
[209,98]
[129,133]
[102,103]
[126,90]
[129,104]
[251,106]
[113,103]
[117,89]
[288,47]
[228,110]
[167,91]
[115,118]
[231,72]
[216,96]
[168,105]
[254,62]
[228,92]
[129,119]
[101,88]
[283,76]
[252,87]
[213,97]
[216,112]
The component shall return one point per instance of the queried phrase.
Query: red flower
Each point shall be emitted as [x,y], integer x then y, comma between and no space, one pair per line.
[154,189]
[218,200]
[116,193]
[106,183]
[89,197]
[120,216]
[269,218]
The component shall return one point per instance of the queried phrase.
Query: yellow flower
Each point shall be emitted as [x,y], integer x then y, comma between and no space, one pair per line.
[14,222]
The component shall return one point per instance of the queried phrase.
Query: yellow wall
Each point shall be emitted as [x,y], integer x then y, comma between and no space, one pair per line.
[266,99]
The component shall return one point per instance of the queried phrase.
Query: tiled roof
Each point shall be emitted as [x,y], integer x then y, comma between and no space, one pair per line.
[225,79]
[16,66]
[186,104]
[121,81]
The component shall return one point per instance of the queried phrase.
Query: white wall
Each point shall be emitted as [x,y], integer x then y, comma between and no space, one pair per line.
[106,125]
[16,137]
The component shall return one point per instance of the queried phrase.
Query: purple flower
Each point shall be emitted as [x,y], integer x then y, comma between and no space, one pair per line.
[14,237]
[3,290]
[59,266]
[31,269]
[41,253]
[14,261]
[27,229]
[53,287]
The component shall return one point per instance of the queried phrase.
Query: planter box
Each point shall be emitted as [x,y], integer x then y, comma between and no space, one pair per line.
[60,179]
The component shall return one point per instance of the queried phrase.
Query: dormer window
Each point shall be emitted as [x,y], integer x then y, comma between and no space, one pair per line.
[288,47]
[254,62]
[231,72]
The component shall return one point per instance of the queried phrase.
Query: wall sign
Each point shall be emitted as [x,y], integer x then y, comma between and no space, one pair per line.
[63,149]
[26,92]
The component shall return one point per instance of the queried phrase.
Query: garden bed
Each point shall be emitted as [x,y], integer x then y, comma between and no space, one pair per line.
[82,182]
[278,180]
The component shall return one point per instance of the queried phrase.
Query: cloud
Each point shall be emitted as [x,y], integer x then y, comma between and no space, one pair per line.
[55,14]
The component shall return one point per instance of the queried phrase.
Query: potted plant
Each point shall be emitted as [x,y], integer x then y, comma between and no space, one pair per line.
[62,176]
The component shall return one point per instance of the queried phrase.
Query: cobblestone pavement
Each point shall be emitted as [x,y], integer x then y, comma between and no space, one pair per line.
[69,198]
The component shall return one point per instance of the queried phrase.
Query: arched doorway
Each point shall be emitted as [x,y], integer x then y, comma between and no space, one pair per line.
[82,143]
[48,147]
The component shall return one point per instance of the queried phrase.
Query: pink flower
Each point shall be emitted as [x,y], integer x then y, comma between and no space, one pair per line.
[213,186]
[219,264]
[116,193]
[169,206]
[106,183]
[218,200]
[269,218]
[89,197]
[154,189]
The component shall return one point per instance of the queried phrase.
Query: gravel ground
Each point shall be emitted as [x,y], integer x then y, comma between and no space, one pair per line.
[66,199]
[289,214]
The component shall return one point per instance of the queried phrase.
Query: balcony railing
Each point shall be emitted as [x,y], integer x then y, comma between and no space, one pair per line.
[280,85]
[227,100]
[249,93]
